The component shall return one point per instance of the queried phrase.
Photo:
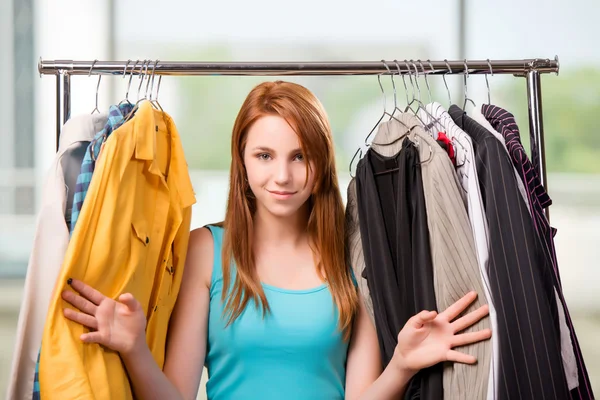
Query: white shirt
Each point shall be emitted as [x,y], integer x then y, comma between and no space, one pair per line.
[49,248]
[467,173]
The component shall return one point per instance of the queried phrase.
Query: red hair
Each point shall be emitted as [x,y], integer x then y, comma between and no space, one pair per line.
[306,115]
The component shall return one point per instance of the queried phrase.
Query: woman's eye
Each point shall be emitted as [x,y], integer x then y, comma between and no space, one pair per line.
[299,157]
[263,156]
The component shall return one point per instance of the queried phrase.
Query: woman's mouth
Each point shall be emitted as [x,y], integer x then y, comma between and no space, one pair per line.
[281,194]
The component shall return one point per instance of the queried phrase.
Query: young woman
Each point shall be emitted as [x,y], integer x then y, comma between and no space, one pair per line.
[268,302]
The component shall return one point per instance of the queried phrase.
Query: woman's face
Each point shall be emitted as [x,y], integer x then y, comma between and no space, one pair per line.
[276,167]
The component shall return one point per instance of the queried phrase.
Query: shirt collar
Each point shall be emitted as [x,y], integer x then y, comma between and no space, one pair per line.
[395,128]
[147,121]
[80,128]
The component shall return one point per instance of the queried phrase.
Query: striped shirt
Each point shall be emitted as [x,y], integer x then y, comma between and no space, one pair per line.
[504,122]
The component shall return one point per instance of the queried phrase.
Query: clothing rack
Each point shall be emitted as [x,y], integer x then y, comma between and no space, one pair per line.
[531,69]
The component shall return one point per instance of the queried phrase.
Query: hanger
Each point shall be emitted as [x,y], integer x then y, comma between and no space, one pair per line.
[143,74]
[452,139]
[95,110]
[393,86]
[421,106]
[374,141]
[416,143]
[487,84]
[155,102]
[126,99]
[409,130]
[446,83]
[408,102]
[359,151]
[435,123]
[414,65]
[465,77]
[455,143]
[426,81]
[408,106]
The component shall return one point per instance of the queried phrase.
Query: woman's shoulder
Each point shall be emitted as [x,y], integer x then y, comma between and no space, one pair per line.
[204,251]
[207,236]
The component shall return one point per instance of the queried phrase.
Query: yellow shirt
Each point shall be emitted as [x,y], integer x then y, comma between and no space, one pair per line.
[132,236]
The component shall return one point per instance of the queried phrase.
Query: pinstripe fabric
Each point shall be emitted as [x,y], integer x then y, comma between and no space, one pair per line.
[504,122]
[478,116]
[455,267]
[521,281]
[566,346]
[467,173]
[354,248]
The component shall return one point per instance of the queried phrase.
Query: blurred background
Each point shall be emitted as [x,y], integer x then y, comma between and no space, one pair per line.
[204,108]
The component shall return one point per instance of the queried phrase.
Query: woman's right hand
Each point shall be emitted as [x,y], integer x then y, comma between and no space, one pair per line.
[118,325]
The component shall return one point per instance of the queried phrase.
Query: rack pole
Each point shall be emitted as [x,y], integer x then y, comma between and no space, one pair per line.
[536,128]
[63,102]
[515,67]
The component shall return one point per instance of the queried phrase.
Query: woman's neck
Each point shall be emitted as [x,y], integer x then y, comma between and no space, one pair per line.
[274,230]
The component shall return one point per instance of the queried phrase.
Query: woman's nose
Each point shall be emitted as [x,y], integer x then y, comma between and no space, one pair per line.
[283,173]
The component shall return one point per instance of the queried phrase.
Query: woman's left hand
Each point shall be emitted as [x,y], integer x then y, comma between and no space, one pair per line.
[429,338]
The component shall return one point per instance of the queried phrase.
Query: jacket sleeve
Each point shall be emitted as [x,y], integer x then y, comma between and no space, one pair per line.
[354,247]
[521,284]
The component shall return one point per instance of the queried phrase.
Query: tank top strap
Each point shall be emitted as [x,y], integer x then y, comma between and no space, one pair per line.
[217,271]
[353,276]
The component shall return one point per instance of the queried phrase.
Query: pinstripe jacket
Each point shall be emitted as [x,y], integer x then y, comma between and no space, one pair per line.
[520,276]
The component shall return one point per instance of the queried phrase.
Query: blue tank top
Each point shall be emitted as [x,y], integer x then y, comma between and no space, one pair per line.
[295,352]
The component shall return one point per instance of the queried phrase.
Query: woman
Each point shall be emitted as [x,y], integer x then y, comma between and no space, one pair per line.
[291,322]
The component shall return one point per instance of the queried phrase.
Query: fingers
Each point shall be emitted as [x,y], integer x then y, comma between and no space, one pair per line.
[455,309]
[130,301]
[79,302]
[86,291]
[457,356]
[471,337]
[92,337]
[81,318]
[470,319]
[417,321]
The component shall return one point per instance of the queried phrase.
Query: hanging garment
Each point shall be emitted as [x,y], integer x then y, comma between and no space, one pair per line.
[478,116]
[47,254]
[521,285]
[131,237]
[566,346]
[504,122]
[455,267]
[469,182]
[83,178]
[393,228]
[71,165]
[354,248]
[116,117]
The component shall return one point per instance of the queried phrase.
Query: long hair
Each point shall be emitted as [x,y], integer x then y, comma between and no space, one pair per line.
[306,115]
